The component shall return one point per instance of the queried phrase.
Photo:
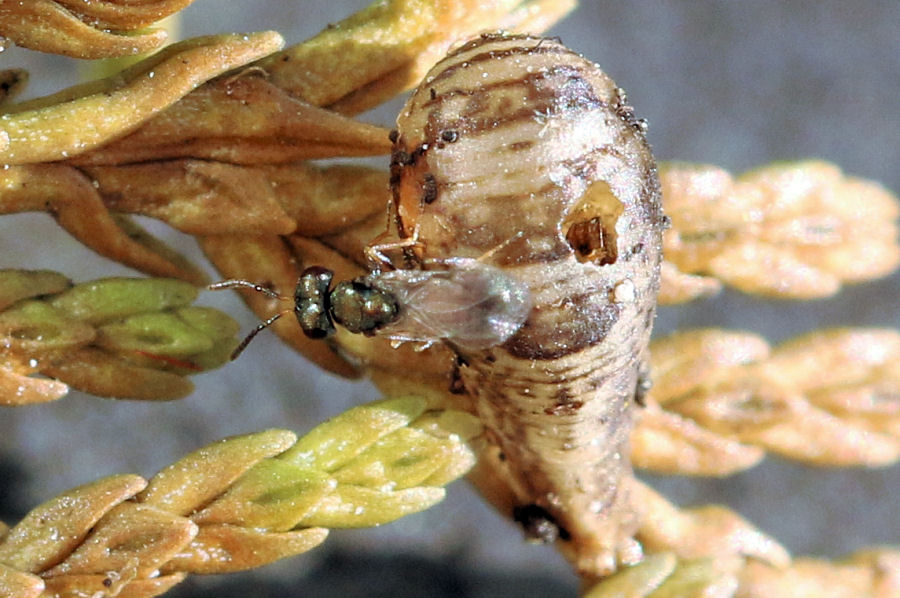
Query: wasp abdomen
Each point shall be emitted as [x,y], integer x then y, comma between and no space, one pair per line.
[522,154]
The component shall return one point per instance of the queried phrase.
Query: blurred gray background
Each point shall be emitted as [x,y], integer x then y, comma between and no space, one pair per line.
[737,84]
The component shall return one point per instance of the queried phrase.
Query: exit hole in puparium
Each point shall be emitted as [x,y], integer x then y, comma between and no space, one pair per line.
[590,226]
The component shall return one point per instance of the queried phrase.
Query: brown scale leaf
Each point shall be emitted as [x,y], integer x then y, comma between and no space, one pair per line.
[796,230]
[760,411]
[124,14]
[325,201]
[686,360]
[19,584]
[677,287]
[667,442]
[200,197]
[50,532]
[229,548]
[384,49]
[17,387]
[49,26]
[197,197]
[92,371]
[130,535]
[243,119]
[111,583]
[854,374]
[48,128]
[78,208]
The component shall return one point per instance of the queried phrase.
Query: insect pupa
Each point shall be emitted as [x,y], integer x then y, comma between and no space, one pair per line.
[518,152]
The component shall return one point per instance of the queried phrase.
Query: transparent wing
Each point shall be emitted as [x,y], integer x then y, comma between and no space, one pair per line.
[470,304]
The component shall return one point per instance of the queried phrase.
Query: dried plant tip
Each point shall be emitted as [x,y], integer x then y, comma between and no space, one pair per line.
[329,200]
[810,228]
[685,361]
[76,205]
[199,197]
[826,398]
[873,573]
[677,287]
[667,443]
[711,531]
[98,373]
[48,128]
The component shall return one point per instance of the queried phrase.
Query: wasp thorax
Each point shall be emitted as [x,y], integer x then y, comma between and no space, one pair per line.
[359,307]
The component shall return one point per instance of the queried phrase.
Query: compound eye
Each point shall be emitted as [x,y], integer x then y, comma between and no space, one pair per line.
[311,302]
[359,307]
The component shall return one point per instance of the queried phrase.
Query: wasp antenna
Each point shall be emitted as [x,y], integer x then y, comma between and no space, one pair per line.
[245,284]
[259,328]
